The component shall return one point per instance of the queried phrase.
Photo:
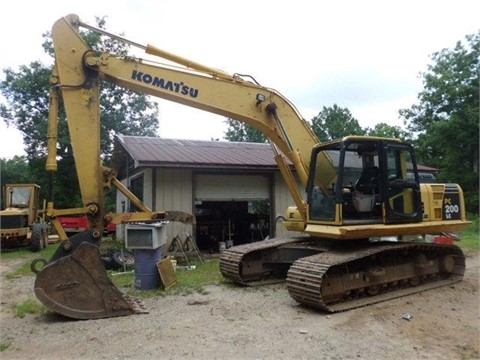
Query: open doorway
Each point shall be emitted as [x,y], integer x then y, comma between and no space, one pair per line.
[228,223]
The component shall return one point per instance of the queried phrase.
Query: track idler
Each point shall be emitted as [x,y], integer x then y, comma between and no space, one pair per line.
[74,283]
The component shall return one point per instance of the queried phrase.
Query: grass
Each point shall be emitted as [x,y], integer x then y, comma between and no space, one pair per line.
[29,256]
[206,273]
[47,253]
[4,346]
[29,306]
[15,254]
[188,281]
[469,238]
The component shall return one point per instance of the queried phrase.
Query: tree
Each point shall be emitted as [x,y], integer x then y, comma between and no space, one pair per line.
[330,123]
[389,131]
[334,123]
[241,132]
[27,93]
[446,118]
[14,170]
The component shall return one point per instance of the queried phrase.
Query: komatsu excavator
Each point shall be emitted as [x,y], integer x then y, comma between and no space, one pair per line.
[364,200]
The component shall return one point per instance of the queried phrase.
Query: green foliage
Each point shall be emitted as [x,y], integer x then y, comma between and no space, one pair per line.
[470,238]
[334,123]
[21,169]
[389,131]
[15,170]
[27,93]
[330,124]
[28,306]
[241,132]
[4,346]
[123,111]
[446,118]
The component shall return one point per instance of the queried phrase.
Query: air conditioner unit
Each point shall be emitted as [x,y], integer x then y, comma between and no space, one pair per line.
[145,236]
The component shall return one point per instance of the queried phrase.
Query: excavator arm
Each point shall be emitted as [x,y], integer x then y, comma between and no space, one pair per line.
[78,71]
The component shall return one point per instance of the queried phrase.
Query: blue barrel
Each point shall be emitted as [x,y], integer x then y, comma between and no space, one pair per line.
[146,271]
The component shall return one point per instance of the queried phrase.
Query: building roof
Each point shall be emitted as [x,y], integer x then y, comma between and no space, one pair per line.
[160,152]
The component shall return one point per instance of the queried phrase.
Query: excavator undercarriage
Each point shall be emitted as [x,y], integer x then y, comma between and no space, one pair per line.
[340,276]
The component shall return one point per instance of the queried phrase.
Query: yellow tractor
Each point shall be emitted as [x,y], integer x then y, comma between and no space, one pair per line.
[22,222]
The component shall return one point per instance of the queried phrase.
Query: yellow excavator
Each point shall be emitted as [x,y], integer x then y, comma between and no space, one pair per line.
[364,202]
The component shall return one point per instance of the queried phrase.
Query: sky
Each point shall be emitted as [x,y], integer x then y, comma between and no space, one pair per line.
[362,55]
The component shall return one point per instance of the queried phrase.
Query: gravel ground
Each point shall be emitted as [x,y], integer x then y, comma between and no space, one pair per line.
[230,322]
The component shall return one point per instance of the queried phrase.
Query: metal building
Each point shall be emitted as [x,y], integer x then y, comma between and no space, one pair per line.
[234,189]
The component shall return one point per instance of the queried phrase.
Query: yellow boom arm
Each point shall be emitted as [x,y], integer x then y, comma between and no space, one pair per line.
[78,69]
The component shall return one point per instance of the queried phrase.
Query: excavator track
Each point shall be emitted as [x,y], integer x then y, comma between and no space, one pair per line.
[341,280]
[338,278]
[245,264]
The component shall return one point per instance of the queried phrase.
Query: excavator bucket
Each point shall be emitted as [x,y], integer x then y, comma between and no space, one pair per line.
[77,286]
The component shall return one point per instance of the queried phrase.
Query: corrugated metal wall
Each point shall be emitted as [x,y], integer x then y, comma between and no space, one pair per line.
[231,187]
[282,200]
[173,191]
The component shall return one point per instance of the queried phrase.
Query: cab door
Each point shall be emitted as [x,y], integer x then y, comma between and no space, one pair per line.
[402,203]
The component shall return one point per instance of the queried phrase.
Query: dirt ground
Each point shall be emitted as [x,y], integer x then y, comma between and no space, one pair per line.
[231,322]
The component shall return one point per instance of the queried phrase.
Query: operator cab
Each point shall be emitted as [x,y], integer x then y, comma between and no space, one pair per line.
[360,180]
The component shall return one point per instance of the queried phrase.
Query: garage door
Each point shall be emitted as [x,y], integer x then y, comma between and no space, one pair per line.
[228,187]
